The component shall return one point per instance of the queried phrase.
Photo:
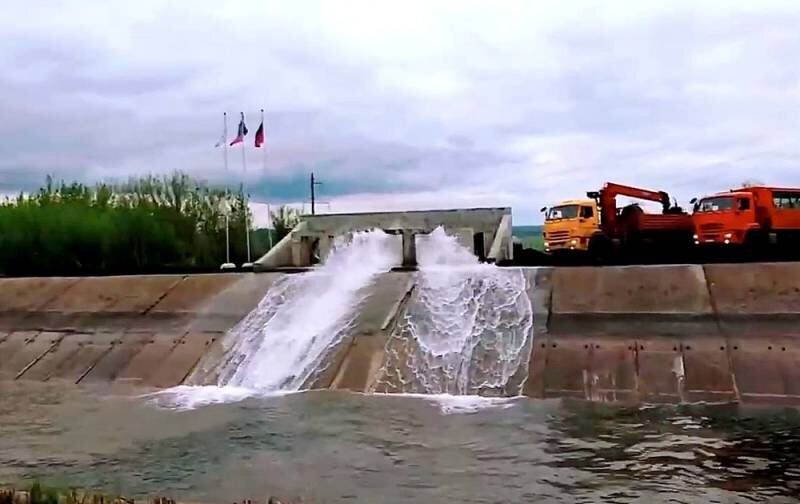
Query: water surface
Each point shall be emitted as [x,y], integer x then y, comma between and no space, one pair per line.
[342,447]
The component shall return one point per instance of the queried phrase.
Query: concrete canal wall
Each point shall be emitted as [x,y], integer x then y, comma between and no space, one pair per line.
[632,334]
[638,333]
[670,334]
[143,330]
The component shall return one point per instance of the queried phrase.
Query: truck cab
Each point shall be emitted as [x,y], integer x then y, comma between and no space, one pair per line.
[725,218]
[570,225]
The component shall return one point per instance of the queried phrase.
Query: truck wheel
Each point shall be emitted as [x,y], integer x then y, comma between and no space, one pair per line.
[599,249]
[756,245]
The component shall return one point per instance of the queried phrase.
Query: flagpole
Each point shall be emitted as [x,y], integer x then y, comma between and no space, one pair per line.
[226,208]
[246,197]
[264,169]
[227,239]
[269,229]
[227,218]
[225,138]
[262,145]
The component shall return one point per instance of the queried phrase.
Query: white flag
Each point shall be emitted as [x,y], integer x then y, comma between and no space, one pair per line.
[224,136]
[221,140]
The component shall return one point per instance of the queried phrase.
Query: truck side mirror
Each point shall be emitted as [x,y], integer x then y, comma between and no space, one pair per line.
[543,209]
[693,201]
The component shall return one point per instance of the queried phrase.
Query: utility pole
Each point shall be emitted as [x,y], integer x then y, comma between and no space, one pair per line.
[314,184]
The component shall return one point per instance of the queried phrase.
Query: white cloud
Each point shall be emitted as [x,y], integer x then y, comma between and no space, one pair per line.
[407,105]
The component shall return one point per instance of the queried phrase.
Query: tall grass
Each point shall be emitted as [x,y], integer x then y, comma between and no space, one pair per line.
[45,494]
[148,224]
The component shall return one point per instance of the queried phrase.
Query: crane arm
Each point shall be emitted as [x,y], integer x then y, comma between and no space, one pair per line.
[612,190]
[607,198]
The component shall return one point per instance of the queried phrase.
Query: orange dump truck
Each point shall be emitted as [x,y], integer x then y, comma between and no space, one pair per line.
[758,218]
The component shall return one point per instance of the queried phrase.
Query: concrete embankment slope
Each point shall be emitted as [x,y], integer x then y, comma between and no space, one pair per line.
[634,334]
[144,330]
[354,364]
[670,333]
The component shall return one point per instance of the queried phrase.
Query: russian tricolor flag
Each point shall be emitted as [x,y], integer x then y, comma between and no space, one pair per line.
[260,132]
[241,133]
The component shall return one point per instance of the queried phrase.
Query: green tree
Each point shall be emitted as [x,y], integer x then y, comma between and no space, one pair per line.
[146,224]
[284,219]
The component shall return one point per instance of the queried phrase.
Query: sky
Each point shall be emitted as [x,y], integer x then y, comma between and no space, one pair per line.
[405,105]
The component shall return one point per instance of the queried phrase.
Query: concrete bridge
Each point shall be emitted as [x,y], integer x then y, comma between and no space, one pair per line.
[485,231]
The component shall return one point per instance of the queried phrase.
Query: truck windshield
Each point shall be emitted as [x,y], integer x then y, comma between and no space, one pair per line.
[562,212]
[720,204]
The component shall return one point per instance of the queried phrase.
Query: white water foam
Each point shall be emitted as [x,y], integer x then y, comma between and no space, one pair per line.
[189,397]
[313,310]
[281,343]
[452,404]
[466,330]
[449,404]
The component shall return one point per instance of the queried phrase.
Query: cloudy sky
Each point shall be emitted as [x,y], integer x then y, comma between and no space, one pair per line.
[398,105]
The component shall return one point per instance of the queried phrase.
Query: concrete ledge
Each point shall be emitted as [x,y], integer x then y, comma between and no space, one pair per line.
[31,294]
[633,323]
[668,289]
[755,289]
[756,298]
[113,294]
[631,300]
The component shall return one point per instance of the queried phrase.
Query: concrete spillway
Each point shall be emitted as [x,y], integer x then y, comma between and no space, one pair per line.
[464,330]
[654,334]
[486,231]
[285,340]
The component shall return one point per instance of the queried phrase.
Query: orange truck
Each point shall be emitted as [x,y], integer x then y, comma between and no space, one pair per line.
[599,229]
[633,234]
[752,217]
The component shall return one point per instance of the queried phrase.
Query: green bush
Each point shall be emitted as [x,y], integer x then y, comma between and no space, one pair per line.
[148,224]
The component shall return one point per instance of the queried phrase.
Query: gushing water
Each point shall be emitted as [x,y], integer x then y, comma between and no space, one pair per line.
[466,329]
[284,341]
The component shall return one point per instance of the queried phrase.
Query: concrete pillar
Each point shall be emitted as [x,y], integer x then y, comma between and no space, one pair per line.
[464,235]
[296,251]
[301,252]
[502,248]
[325,247]
[409,249]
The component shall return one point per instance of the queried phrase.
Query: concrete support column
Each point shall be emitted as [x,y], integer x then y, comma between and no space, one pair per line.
[301,252]
[502,248]
[409,248]
[296,247]
[464,236]
[325,247]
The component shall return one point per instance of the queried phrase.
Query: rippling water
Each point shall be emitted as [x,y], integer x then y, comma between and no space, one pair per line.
[340,447]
